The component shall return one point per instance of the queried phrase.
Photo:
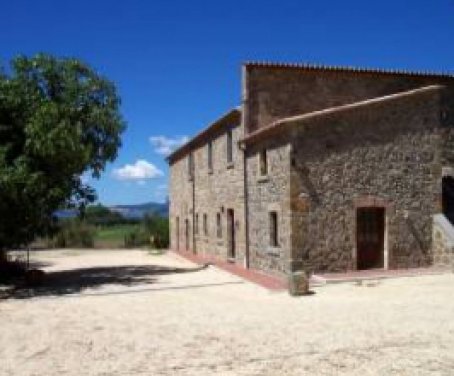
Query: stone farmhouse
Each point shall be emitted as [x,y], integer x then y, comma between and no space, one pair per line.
[327,168]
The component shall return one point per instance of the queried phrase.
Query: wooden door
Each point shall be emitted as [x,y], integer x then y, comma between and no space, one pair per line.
[186,234]
[370,235]
[177,229]
[231,233]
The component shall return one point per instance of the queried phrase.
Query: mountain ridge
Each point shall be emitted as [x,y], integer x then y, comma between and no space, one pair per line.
[140,210]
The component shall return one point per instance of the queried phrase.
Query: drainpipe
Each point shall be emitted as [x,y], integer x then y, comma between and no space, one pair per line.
[246,207]
[194,250]
[244,121]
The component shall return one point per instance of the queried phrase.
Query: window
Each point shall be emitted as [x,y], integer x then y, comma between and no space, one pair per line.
[191,166]
[218,225]
[263,163]
[273,229]
[205,225]
[229,147]
[196,225]
[210,156]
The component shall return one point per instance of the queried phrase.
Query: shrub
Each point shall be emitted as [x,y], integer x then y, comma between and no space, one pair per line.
[73,233]
[136,238]
[157,229]
[153,231]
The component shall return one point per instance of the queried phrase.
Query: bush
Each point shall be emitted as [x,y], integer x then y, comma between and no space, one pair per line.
[153,231]
[73,233]
[136,238]
[157,229]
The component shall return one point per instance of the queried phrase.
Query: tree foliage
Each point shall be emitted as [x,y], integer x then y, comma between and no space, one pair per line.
[101,215]
[58,119]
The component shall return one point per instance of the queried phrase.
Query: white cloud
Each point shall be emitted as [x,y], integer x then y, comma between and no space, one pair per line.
[165,145]
[139,171]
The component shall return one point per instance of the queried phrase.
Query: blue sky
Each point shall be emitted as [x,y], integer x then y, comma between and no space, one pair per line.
[177,63]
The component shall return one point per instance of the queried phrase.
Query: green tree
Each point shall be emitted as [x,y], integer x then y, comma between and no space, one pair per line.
[58,119]
[100,215]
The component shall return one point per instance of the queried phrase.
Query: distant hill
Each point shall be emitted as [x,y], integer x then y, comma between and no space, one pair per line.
[140,210]
[127,211]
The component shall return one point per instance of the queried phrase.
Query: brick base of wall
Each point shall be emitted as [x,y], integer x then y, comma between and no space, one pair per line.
[266,281]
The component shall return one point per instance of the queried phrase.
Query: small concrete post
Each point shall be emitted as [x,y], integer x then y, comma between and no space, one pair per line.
[298,281]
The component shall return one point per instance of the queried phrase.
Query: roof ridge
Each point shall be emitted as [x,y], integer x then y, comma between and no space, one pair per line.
[340,68]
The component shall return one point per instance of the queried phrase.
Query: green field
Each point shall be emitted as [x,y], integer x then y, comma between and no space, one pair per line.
[113,236]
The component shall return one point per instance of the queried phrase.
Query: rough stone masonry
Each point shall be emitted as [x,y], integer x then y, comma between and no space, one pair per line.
[320,168]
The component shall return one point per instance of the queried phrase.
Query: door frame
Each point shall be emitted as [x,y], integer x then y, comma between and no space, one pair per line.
[385,253]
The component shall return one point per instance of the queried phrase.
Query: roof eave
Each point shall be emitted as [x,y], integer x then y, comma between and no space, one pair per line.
[213,127]
[284,123]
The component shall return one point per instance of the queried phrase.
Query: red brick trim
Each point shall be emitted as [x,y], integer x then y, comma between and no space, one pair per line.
[254,276]
[371,201]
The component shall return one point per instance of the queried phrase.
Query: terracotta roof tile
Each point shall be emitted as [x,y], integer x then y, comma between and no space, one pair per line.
[321,67]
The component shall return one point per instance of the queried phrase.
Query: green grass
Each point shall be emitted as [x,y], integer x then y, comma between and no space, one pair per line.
[113,236]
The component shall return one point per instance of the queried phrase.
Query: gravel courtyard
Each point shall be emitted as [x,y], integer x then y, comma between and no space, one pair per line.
[131,313]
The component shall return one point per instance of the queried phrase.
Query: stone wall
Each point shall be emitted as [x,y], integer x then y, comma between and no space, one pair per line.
[218,190]
[386,155]
[181,205]
[209,192]
[265,194]
[389,154]
[272,93]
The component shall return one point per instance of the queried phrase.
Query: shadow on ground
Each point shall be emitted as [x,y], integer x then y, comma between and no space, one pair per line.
[74,281]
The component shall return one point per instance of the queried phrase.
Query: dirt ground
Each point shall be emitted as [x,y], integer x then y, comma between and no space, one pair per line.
[132,313]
